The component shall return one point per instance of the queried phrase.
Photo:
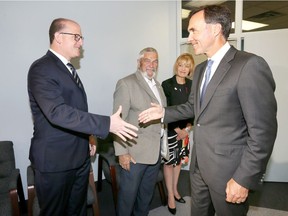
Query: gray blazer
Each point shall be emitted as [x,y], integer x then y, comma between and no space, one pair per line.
[236,126]
[135,95]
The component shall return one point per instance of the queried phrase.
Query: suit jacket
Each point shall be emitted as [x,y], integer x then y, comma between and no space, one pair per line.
[236,126]
[135,95]
[61,121]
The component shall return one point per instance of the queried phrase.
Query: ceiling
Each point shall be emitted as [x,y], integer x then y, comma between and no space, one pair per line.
[273,13]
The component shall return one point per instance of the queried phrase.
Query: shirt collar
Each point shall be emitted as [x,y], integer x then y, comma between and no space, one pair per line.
[62,58]
[217,57]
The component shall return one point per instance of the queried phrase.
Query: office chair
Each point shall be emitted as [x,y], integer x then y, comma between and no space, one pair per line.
[11,188]
[33,206]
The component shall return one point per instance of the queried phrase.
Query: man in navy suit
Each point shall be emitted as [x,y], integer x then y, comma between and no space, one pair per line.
[59,148]
[235,120]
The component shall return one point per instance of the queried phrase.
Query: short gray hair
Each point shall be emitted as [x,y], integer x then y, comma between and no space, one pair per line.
[147,49]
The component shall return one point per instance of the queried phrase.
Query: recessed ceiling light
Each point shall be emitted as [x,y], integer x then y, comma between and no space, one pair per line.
[249,25]
[185,13]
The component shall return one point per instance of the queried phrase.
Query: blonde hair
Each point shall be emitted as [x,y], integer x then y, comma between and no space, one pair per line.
[188,59]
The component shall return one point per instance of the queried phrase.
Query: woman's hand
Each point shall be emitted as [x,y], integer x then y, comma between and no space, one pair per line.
[181,134]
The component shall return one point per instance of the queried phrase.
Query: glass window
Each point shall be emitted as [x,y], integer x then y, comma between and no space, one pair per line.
[188,6]
[264,15]
[257,15]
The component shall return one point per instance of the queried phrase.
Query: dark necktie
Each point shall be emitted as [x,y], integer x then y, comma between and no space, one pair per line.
[207,78]
[75,75]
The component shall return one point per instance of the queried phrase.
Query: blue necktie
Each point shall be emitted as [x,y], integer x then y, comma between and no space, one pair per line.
[75,75]
[207,78]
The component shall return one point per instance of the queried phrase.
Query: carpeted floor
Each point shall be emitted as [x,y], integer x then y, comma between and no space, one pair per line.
[272,200]
[273,196]
[184,210]
[259,211]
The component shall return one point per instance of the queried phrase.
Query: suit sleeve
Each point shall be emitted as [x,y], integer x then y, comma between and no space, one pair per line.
[180,112]
[256,94]
[47,91]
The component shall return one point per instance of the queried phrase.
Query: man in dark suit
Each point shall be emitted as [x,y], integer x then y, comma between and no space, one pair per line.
[235,124]
[59,148]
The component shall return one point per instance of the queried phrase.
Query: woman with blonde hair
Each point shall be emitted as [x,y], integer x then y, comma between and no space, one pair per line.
[177,90]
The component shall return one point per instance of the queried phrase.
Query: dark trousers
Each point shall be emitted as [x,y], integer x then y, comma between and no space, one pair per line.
[205,202]
[136,189]
[63,193]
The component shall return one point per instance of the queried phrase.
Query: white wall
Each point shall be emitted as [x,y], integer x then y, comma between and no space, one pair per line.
[114,31]
[273,46]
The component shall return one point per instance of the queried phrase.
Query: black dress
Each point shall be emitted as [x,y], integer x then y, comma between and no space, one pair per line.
[177,94]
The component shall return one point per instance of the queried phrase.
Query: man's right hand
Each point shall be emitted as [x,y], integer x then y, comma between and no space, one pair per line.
[124,161]
[121,128]
[152,113]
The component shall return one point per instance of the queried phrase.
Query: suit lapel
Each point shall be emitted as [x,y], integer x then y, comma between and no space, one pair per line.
[197,84]
[61,65]
[221,71]
[65,70]
[145,85]
[161,93]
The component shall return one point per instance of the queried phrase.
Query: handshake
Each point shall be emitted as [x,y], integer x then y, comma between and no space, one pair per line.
[127,131]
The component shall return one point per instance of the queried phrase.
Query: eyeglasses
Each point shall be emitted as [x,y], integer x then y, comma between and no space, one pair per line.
[77,37]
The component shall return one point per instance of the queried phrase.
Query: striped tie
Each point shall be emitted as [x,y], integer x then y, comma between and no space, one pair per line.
[75,75]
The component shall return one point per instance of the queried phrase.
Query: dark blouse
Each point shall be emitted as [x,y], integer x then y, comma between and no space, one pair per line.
[177,94]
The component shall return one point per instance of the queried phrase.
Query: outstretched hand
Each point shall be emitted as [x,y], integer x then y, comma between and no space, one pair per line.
[121,128]
[156,111]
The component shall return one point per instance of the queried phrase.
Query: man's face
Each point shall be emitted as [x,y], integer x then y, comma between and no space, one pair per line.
[149,64]
[201,34]
[71,40]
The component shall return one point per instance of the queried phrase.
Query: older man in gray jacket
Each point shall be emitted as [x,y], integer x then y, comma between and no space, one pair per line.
[139,158]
